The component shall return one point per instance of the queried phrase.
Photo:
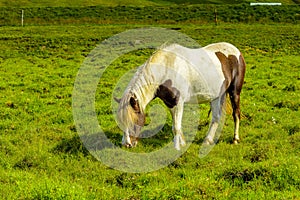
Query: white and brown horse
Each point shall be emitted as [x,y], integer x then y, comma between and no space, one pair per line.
[179,75]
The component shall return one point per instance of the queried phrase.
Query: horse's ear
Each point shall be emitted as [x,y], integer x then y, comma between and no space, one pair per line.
[134,104]
[117,100]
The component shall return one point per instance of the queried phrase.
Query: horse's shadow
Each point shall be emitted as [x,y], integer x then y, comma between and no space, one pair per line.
[73,146]
[89,142]
[84,144]
[159,136]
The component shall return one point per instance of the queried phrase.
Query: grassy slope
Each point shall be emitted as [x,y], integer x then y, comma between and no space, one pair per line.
[38,3]
[41,156]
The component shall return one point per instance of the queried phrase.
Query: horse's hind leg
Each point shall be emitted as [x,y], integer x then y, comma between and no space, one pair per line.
[234,92]
[235,103]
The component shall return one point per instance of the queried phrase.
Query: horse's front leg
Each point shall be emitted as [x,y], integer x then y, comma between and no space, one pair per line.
[126,141]
[216,108]
[177,112]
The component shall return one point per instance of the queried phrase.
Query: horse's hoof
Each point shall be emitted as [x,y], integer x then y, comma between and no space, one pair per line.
[128,145]
[176,145]
[134,144]
[235,141]
[177,148]
[208,142]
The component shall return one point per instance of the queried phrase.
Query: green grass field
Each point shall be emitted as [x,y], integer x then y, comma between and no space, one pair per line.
[42,156]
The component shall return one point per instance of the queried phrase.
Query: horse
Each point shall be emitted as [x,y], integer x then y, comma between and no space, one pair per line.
[179,75]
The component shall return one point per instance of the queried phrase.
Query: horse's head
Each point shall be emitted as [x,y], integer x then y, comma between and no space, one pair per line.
[131,118]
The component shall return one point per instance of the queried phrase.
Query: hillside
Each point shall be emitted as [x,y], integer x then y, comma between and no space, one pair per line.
[68,3]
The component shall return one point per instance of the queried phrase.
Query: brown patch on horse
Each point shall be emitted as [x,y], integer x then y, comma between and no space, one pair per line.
[168,94]
[230,67]
[140,120]
[241,71]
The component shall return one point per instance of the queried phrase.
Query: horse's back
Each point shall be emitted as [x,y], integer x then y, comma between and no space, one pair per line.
[201,68]
[204,54]
[193,56]
[198,66]
[224,47]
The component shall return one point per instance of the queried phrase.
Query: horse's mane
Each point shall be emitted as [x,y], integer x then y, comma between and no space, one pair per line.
[142,88]
[143,84]
[125,115]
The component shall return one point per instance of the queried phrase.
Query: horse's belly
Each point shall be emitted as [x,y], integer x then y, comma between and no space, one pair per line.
[198,99]
[205,85]
[204,92]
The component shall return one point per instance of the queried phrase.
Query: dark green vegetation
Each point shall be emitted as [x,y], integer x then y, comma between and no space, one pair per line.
[175,14]
[42,157]
[59,3]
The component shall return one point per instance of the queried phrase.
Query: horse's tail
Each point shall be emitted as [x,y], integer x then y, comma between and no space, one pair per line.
[237,83]
[228,108]
[241,72]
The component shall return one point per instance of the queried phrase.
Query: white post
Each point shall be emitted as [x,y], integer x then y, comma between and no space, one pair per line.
[22,20]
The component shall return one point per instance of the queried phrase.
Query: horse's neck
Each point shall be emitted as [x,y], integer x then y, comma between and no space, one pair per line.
[145,89]
[148,97]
